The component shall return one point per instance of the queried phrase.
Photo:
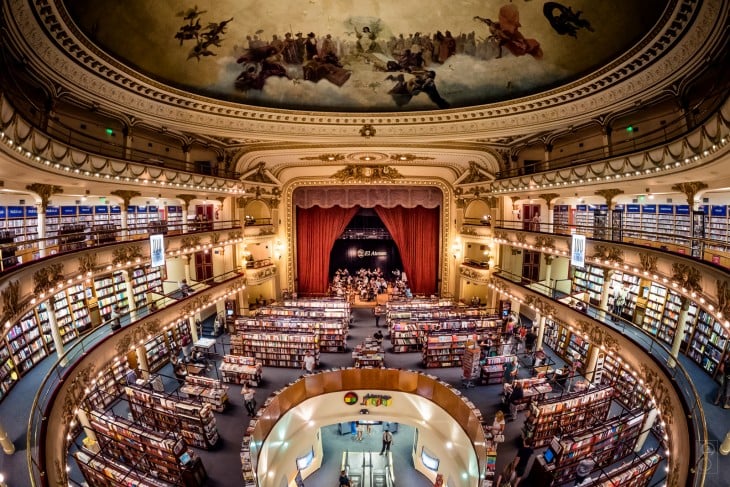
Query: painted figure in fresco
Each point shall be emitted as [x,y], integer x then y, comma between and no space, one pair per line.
[420,82]
[564,20]
[505,33]
[319,68]
[258,65]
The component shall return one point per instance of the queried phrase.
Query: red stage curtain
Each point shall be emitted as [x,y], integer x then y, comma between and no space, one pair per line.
[416,233]
[317,230]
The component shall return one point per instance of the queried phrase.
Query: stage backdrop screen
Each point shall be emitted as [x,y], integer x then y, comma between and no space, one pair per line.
[369,254]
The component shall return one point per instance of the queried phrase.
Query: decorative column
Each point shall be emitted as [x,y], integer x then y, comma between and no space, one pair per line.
[690,190]
[186,153]
[55,333]
[607,132]
[186,199]
[725,445]
[646,428]
[142,364]
[549,198]
[591,362]
[83,420]
[8,446]
[45,191]
[679,331]
[540,332]
[127,141]
[548,269]
[186,267]
[547,152]
[609,194]
[605,292]
[126,197]
[515,223]
[130,296]
[193,329]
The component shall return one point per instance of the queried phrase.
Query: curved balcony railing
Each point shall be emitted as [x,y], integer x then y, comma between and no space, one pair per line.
[61,371]
[681,380]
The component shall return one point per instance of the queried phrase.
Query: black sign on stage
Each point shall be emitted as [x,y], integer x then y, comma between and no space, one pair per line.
[354,255]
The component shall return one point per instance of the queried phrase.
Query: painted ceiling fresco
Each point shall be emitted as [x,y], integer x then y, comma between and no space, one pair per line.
[365,55]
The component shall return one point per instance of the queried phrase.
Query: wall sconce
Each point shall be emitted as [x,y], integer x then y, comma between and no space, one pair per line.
[278,249]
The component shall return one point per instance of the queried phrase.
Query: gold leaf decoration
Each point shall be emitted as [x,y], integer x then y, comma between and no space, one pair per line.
[87,262]
[723,296]
[598,336]
[11,299]
[545,241]
[605,252]
[648,262]
[687,276]
[47,277]
[359,173]
[45,191]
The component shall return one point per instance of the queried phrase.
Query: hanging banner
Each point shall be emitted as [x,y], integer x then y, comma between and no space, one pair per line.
[157,250]
[578,250]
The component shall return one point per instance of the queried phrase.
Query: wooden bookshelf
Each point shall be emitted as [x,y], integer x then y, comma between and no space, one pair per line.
[493,369]
[277,349]
[566,415]
[207,390]
[239,369]
[331,332]
[162,412]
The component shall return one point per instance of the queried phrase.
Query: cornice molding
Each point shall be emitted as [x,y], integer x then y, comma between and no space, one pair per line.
[676,46]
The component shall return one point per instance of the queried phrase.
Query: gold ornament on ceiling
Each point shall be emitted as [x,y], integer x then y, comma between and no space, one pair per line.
[365,174]
[324,158]
[410,157]
[367,131]
[476,174]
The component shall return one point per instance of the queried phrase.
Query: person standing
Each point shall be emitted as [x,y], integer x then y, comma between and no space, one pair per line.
[521,460]
[723,393]
[510,370]
[515,398]
[249,399]
[116,317]
[309,362]
[387,441]
[584,469]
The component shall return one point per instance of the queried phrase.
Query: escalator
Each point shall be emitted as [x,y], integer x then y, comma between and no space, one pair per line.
[368,469]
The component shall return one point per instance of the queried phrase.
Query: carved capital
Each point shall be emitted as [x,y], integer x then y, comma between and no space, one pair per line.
[598,336]
[545,241]
[11,299]
[47,277]
[87,262]
[609,194]
[723,296]
[611,253]
[127,253]
[45,191]
[186,199]
[126,196]
[549,197]
[648,262]
[687,276]
[690,189]
[366,174]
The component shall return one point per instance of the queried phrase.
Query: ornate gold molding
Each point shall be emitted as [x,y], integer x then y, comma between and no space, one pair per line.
[324,157]
[521,237]
[543,307]
[690,189]
[355,173]
[47,277]
[648,262]
[11,299]
[137,334]
[605,252]
[367,131]
[189,242]
[609,194]
[410,157]
[597,336]
[127,253]
[196,303]
[45,191]
[687,276]
[186,199]
[723,296]
[660,391]
[545,241]
[125,195]
[549,197]
[87,262]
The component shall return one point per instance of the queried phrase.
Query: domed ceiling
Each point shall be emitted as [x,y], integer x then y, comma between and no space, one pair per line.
[366,55]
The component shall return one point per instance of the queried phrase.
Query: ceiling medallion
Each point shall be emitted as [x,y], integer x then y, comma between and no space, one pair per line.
[357,173]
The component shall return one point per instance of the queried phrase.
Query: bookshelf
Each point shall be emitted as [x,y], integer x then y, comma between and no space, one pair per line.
[630,285]
[277,349]
[493,369]
[670,317]
[605,444]
[158,352]
[628,390]
[110,290]
[708,343]
[331,332]
[654,309]
[206,390]
[577,346]
[442,349]
[404,336]
[130,452]
[565,415]
[561,218]
[108,386]
[159,411]
[8,374]
[589,281]
[368,354]
[145,279]
[26,343]
[239,369]
[637,472]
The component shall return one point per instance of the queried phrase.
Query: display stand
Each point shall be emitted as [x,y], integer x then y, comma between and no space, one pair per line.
[493,369]
[369,354]
[470,365]
[207,390]
[239,369]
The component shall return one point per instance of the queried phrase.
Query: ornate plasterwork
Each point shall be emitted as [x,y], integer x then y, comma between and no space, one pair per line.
[723,296]
[87,262]
[598,336]
[687,276]
[648,262]
[353,173]
[677,45]
[11,299]
[128,253]
[544,241]
[543,307]
[47,277]
[611,253]
[45,191]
